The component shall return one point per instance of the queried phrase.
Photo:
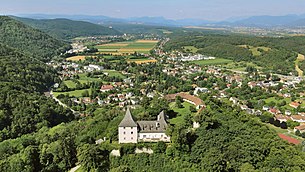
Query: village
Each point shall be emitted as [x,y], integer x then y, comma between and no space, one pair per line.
[94,83]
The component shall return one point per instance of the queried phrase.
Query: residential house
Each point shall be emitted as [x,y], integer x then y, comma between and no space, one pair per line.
[300,128]
[294,104]
[105,88]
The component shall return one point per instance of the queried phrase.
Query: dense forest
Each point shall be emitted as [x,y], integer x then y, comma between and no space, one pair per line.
[23,107]
[69,29]
[280,58]
[30,41]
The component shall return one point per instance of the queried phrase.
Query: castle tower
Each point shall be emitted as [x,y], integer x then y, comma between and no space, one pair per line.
[128,129]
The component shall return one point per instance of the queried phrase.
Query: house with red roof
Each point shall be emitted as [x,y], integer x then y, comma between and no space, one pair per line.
[105,88]
[294,104]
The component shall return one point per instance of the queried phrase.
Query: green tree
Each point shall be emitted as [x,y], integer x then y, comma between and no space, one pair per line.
[92,157]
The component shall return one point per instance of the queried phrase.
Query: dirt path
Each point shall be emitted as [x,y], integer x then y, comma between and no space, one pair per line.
[300,58]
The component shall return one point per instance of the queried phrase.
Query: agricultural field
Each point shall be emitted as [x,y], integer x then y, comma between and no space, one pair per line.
[128,47]
[217,61]
[141,61]
[78,58]
[256,51]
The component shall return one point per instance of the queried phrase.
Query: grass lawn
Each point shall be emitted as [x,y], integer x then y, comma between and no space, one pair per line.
[190,48]
[217,61]
[70,84]
[114,73]
[76,93]
[84,79]
[181,112]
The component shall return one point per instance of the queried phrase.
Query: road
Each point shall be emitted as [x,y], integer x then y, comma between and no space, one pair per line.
[62,104]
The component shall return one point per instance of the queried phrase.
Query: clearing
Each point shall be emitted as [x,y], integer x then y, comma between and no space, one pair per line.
[191,49]
[300,58]
[256,51]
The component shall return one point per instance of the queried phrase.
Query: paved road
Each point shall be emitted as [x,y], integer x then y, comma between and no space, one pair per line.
[62,104]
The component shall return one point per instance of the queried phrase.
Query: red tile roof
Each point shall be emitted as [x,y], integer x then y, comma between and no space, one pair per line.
[289,139]
[106,87]
[301,127]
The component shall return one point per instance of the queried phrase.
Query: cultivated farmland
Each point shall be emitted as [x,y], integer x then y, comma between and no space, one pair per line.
[128,47]
[77,58]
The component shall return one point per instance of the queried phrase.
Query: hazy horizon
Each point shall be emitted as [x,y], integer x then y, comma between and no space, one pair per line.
[214,10]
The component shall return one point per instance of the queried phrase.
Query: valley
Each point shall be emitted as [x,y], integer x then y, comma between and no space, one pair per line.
[81,96]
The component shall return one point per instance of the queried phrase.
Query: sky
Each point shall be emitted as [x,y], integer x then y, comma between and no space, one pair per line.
[215,10]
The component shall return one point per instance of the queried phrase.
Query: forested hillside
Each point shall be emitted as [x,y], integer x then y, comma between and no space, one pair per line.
[68,29]
[23,108]
[28,40]
[228,140]
[279,58]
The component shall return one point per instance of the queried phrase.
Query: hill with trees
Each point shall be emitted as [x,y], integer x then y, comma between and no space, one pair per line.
[69,29]
[32,42]
[279,58]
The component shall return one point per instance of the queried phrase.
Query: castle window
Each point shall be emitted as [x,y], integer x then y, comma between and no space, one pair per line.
[132,132]
[124,138]
[124,132]
[144,136]
[124,128]
[132,138]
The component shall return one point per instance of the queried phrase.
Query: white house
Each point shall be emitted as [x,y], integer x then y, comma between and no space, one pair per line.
[143,131]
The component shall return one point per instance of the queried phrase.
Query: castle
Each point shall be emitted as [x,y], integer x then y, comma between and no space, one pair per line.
[143,131]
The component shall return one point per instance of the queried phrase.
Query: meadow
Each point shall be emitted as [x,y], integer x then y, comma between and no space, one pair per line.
[217,61]
[78,58]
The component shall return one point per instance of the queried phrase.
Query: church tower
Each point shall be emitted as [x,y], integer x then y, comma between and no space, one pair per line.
[128,129]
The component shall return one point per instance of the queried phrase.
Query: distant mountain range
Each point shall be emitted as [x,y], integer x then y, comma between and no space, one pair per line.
[254,21]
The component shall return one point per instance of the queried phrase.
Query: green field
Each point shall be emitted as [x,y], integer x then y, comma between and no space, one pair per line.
[217,61]
[70,84]
[181,112]
[76,93]
[114,73]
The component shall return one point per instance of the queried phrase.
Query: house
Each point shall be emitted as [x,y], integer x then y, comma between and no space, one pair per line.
[294,104]
[300,128]
[282,118]
[233,100]
[287,112]
[105,88]
[265,108]
[143,131]
[298,118]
